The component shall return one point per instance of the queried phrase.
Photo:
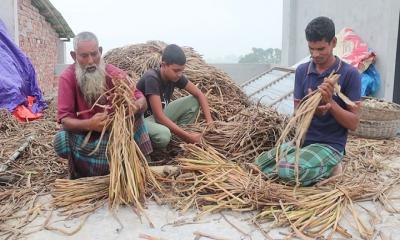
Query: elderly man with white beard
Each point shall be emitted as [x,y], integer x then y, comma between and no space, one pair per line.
[80,85]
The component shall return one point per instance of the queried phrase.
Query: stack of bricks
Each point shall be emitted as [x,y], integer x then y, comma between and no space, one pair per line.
[40,42]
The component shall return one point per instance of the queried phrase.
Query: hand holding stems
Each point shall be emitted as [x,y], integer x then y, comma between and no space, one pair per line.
[326,89]
[196,137]
[98,121]
[193,137]
[210,124]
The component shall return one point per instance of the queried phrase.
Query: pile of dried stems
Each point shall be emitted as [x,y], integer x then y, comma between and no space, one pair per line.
[245,135]
[225,98]
[8,122]
[207,181]
[211,183]
[30,175]
[370,161]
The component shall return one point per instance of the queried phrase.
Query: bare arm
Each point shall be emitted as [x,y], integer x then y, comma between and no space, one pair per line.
[140,106]
[195,91]
[160,117]
[140,102]
[347,118]
[98,121]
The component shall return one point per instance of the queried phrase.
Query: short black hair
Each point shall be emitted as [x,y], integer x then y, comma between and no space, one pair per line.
[173,54]
[320,28]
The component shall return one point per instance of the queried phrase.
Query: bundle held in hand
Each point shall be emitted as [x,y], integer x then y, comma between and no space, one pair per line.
[129,171]
[302,119]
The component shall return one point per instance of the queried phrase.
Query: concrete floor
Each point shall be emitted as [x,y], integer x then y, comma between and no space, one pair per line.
[171,224]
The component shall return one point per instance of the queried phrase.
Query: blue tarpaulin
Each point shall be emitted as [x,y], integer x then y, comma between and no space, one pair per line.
[370,81]
[17,76]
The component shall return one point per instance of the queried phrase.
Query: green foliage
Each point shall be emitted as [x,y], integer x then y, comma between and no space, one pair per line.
[259,55]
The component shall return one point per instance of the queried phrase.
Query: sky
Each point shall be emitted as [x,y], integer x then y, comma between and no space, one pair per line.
[220,30]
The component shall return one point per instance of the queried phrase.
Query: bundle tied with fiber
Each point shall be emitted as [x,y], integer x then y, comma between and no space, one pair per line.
[129,172]
[302,119]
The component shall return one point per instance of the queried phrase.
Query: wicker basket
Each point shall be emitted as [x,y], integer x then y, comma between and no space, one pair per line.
[377,129]
[379,114]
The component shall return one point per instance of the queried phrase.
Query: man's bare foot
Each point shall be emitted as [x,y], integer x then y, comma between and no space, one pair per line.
[337,170]
[336,173]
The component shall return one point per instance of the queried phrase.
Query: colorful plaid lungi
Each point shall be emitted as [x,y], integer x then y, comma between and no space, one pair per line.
[69,145]
[315,163]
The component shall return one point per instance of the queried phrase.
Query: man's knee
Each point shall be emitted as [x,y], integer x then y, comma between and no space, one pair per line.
[302,173]
[162,138]
[266,161]
[61,145]
[287,171]
[193,102]
[192,108]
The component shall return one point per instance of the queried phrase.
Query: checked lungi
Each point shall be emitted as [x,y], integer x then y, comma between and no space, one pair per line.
[316,162]
[69,145]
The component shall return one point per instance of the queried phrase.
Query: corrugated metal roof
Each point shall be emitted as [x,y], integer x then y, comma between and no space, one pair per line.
[242,72]
[273,88]
[54,17]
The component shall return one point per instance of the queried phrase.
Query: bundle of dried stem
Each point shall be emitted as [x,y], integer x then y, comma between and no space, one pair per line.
[129,171]
[75,198]
[129,176]
[301,122]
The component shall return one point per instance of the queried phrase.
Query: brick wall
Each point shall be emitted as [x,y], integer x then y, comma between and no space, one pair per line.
[40,43]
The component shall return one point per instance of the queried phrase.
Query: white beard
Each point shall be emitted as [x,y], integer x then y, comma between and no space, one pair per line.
[91,84]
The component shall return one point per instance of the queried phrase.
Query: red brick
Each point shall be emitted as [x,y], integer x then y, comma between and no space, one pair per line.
[39,41]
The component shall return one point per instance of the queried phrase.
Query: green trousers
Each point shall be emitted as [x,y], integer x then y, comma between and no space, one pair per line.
[181,111]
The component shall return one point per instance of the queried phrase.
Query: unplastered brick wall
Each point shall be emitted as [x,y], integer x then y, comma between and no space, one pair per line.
[40,43]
